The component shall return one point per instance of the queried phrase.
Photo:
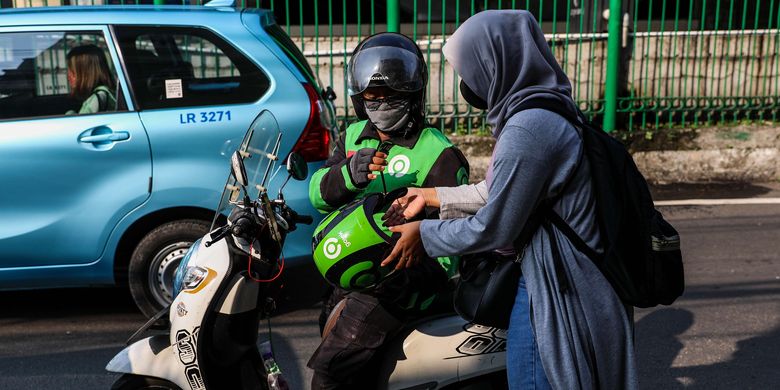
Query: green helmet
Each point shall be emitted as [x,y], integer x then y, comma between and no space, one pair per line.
[350,243]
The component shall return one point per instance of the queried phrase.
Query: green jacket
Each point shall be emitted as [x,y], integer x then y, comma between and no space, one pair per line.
[424,159]
[101,100]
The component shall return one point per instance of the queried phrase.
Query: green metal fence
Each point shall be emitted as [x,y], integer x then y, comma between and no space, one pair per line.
[657,64]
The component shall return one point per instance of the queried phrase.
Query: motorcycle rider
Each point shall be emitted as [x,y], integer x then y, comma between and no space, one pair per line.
[387,76]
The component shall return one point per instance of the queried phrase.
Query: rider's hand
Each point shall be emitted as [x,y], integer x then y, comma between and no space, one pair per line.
[409,250]
[410,205]
[363,163]
[405,207]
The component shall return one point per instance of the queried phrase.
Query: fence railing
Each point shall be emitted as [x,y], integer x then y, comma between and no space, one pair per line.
[658,64]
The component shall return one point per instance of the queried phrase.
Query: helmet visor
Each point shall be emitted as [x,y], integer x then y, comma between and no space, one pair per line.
[394,67]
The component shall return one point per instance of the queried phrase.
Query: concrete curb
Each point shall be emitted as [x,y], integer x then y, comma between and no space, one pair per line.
[694,166]
[745,153]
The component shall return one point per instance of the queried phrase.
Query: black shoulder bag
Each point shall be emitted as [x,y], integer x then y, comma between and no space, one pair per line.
[488,282]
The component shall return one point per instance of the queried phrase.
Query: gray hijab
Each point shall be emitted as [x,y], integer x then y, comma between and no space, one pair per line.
[503,57]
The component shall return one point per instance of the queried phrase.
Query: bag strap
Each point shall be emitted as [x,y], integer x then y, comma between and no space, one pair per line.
[537,218]
[575,238]
[560,274]
[560,223]
[554,105]
[544,215]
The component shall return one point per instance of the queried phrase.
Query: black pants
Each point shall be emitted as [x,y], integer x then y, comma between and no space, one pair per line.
[345,358]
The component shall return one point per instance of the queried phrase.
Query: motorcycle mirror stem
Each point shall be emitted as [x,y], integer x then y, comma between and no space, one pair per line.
[281,196]
[297,169]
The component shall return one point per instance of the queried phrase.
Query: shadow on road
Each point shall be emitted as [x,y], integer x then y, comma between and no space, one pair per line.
[708,191]
[753,365]
[54,303]
[658,345]
[299,287]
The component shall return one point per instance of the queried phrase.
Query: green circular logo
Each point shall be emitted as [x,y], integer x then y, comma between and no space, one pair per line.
[398,165]
[331,248]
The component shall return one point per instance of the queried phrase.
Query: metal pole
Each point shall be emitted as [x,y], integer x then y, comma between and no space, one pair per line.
[613,65]
[393,16]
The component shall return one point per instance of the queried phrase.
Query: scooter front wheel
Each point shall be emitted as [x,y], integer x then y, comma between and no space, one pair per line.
[136,382]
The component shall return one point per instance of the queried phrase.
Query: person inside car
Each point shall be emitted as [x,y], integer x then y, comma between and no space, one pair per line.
[387,78]
[90,81]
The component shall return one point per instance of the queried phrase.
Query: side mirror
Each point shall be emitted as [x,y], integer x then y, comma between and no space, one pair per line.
[238,169]
[297,167]
[329,94]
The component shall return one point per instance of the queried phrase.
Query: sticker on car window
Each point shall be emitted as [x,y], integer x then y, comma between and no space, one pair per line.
[173,89]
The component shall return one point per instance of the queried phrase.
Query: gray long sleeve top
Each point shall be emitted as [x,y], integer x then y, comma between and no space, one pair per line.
[584,335]
[461,201]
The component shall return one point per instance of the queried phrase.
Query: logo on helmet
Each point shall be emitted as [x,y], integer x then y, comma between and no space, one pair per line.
[331,248]
[379,78]
[398,165]
[343,236]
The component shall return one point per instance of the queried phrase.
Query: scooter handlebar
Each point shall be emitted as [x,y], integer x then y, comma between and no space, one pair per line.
[304,219]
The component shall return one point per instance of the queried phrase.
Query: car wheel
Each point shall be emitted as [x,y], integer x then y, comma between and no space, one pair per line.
[154,262]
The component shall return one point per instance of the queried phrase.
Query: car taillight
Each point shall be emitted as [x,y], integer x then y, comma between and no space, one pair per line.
[314,144]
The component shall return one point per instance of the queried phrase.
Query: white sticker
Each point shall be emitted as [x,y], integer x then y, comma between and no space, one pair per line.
[173,89]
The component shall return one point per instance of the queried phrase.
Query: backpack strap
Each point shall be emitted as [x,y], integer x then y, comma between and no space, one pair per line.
[552,216]
[545,216]
[555,106]
[575,238]
[541,219]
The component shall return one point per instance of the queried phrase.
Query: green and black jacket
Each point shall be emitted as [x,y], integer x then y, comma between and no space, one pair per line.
[423,159]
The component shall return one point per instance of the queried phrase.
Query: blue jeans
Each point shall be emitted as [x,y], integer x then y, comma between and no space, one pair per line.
[524,366]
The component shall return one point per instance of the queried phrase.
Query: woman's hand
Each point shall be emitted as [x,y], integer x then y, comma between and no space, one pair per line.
[409,249]
[410,205]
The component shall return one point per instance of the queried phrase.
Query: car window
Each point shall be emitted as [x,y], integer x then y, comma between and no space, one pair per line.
[298,59]
[183,67]
[34,74]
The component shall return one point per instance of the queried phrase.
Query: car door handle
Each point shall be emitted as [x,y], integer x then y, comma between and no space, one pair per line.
[110,137]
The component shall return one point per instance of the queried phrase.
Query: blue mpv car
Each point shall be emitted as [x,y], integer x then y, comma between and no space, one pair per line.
[112,188]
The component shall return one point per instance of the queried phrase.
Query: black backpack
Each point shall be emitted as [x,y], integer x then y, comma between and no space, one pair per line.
[642,258]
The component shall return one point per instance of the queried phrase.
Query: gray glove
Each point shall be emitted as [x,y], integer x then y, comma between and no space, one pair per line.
[358,167]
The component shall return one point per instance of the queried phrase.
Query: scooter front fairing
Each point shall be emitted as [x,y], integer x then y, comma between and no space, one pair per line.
[212,289]
[152,356]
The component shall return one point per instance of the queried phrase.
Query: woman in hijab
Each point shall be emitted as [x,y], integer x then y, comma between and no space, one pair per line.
[583,332]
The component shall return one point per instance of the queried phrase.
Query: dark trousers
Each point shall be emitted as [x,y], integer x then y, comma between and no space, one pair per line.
[346,357]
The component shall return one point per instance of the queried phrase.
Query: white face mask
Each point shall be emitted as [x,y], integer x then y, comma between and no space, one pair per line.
[390,115]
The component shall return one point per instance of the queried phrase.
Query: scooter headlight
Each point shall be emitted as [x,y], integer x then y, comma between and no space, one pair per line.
[187,276]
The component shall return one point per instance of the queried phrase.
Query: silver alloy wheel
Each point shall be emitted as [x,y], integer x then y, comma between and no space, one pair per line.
[162,270]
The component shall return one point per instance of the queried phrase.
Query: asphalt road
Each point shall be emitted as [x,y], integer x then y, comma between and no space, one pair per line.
[724,332]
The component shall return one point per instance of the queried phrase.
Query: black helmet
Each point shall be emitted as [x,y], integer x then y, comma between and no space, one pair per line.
[392,60]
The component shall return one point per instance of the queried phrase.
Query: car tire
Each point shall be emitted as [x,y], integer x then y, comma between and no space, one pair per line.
[154,261]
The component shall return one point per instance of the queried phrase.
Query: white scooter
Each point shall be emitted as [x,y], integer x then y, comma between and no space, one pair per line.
[221,296]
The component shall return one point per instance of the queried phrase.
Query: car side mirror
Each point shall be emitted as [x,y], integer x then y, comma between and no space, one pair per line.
[297,167]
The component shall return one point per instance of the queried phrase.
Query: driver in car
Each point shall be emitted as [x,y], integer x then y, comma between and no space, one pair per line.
[387,78]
